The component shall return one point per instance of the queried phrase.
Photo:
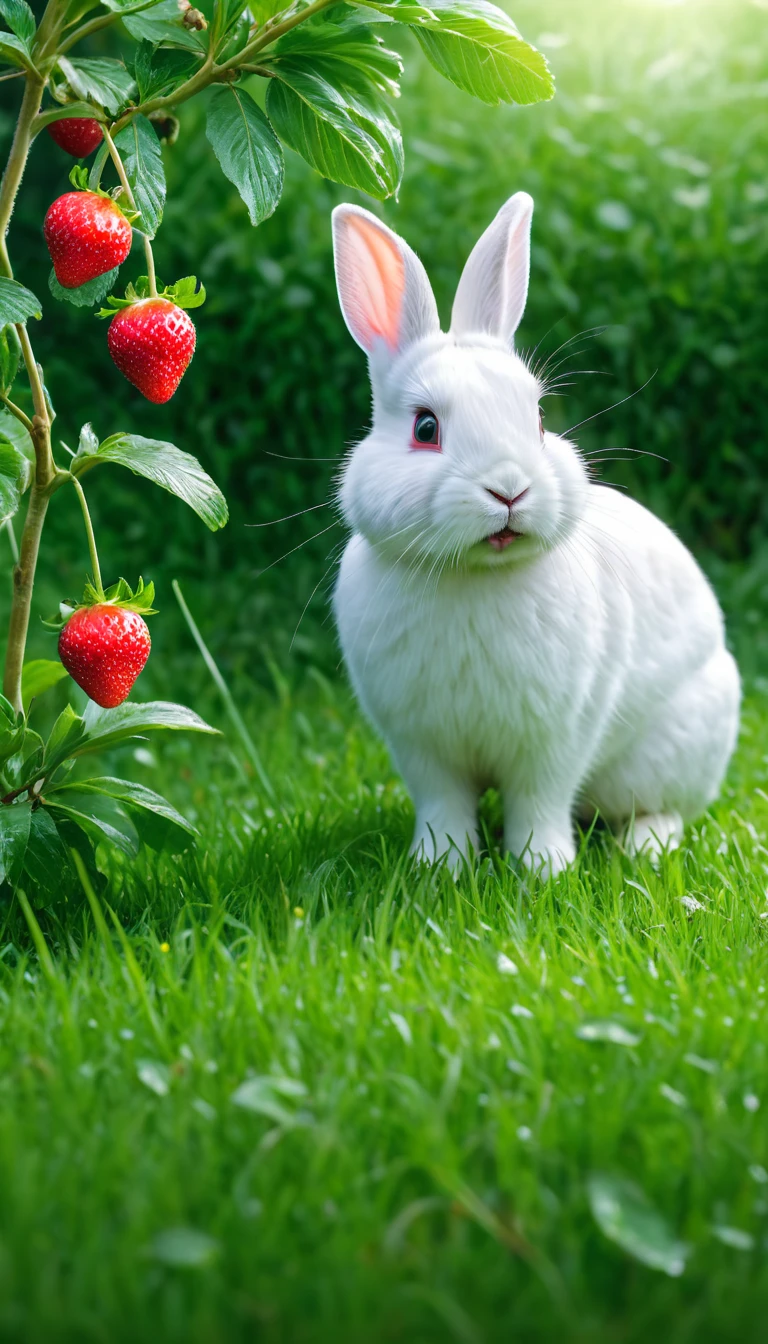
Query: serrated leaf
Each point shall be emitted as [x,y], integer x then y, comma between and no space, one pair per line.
[19,18]
[106,727]
[139,149]
[247,149]
[15,475]
[476,46]
[15,822]
[352,43]
[38,676]
[17,304]
[162,25]
[87,295]
[102,81]
[624,1214]
[336,119]
[46,857]
[158,71]
[100,816]
[166,465]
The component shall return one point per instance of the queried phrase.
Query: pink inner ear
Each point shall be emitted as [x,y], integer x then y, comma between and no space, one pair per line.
[379,283]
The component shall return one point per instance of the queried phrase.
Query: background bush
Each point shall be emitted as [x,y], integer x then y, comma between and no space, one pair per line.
[649,175]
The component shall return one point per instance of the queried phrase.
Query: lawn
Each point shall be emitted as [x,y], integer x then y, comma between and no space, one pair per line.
[286,1087]
[301,1090]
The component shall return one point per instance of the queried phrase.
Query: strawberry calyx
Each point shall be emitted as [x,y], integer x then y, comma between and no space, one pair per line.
[186,293]
[80,178]
[120,594]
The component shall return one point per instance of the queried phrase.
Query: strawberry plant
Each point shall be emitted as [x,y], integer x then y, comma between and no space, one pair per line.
[316,76]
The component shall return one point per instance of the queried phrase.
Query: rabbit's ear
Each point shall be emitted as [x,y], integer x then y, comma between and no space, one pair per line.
[494,283]
[384,292]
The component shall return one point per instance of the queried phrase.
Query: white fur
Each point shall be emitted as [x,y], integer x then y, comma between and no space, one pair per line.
[584,665]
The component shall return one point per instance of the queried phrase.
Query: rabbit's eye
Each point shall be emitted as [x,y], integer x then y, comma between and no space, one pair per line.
[426,430]
[541,424]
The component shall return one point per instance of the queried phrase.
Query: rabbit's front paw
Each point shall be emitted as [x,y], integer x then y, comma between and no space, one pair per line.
[543,849]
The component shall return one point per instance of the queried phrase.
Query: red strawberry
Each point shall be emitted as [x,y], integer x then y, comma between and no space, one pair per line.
[86,235]
[152,343]
[104,648]
[79,136]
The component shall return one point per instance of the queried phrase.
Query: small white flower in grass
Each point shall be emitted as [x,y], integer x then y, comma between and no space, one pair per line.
[184,1248]
[759,1174]
[401,1027]
[524,1134]
[520,1010]
[691,904]
[734,1236]
[504,966]
[672,1095]
[654,974]
[751,1102]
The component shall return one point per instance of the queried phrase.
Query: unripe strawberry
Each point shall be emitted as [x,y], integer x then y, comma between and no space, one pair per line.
[79,136]
[104,648]
[87,235]
[152,343]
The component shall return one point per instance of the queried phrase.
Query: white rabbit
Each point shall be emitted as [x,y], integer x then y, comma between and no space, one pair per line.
[506,621]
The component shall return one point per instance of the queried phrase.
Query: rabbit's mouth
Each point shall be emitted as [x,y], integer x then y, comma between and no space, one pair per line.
[499,541]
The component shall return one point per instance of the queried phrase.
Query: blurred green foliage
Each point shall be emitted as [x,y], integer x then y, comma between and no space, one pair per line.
[649,175]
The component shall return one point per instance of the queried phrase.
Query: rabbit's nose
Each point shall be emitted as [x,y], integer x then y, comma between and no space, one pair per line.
[505,499]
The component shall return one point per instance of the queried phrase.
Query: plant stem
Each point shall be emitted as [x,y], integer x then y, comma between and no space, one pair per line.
[14,169]
[23,581]
[121,173]
[96,571]
[12,542]
[17,411]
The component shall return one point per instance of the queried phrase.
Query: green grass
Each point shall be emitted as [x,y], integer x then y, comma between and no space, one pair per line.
[422,1175]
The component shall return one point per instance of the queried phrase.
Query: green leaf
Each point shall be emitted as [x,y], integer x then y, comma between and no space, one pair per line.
[106,727]
[46,857]
[159,71]
[476,46]
[139,148]
[15,476]
[162,25]
[14,432]
[13,51]
[17,304]
[168,467]
[625,1215]
[101,81]
[87,295]
[10,355]
[100,816]
[247,149]
[15,822]
[39,676]
[66,734]
[25,765]
[334,116]
[187,293]
[157,821]
[20,19]
[353,43]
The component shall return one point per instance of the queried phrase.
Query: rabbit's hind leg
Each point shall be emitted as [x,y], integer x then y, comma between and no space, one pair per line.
[673,769]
